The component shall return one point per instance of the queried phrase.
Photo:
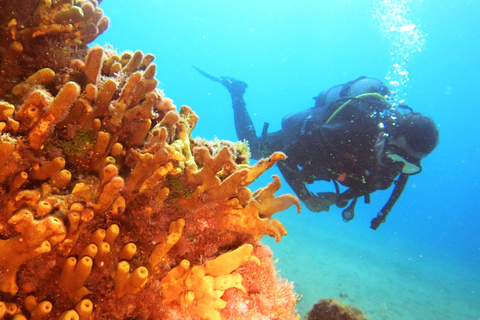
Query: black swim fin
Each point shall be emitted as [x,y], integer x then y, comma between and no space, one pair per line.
[208,75]
[234,86]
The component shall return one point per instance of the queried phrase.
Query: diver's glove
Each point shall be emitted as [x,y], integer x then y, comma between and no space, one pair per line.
[320,202]
[378,220]
[234,86]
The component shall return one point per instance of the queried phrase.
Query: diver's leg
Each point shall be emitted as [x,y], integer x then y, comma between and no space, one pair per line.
[243,122]
[260,147]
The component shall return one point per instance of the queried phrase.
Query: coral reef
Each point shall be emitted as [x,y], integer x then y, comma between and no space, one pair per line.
[110,210]
[332,309]
[44,33]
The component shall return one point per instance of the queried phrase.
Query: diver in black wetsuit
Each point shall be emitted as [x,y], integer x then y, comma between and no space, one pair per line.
[352,136]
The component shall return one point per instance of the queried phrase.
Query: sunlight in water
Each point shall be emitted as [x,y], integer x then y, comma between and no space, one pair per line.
[405,38]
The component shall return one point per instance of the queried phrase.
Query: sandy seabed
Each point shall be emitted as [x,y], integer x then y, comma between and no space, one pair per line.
[388,280]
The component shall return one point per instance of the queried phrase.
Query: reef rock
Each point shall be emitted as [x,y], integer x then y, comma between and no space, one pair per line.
[332,309]
[110,210]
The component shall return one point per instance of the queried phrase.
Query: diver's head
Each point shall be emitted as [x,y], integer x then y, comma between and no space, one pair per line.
[420,132]
[414,137]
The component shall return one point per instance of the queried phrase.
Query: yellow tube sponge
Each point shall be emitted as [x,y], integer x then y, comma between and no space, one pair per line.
[269,203]
[61,179]
[157,177]
[199,289]
[173,283]
[161,249]
[247,220]
[111,234]
[108,195]
[18,181]
[92,66]
[7,146]
[47,169]
[128,251]
[129,283]
[11,309]
[36,238]
[146,164]
[55,112]
[230,261]
[226,281]
[84,309]
[74,275]
[32,109]
[41,77]
[6,110]
[207,300]
[262,165]
[3,309]
[69,315]
[133,63]
[90,250]
[103,247]
[38,310]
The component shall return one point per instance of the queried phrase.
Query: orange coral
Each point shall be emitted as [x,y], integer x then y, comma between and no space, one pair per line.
[35,238]
[200,288]
[111,209]
[161,249]
[44,33]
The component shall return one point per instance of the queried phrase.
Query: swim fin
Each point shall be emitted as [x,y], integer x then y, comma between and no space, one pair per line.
[208,75]
[234,86]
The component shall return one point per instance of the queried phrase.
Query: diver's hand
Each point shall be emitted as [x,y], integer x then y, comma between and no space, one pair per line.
[320,202]
[234,86]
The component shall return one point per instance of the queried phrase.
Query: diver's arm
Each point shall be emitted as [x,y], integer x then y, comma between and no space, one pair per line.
[296,181]
[397,191]
[293,176]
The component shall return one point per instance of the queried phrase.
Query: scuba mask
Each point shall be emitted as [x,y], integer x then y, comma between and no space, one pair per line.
[411,165]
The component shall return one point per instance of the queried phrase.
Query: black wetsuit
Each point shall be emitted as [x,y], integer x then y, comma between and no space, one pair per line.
[330,141]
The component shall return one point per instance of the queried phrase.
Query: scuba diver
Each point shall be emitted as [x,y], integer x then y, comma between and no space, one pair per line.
[353,136]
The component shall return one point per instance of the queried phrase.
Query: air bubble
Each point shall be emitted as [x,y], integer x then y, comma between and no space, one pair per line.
[406,38]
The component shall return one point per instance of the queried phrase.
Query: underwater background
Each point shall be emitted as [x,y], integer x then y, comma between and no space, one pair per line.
[424,262]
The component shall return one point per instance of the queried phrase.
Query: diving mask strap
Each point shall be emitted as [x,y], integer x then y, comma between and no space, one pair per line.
[382,215]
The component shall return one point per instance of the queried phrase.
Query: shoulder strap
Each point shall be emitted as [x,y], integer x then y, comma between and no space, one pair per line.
[374,98]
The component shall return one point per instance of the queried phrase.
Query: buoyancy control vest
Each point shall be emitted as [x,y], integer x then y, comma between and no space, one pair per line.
[339,104]
[328,101]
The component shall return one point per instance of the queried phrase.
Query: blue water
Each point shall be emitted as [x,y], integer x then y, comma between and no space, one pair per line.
[288,51]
